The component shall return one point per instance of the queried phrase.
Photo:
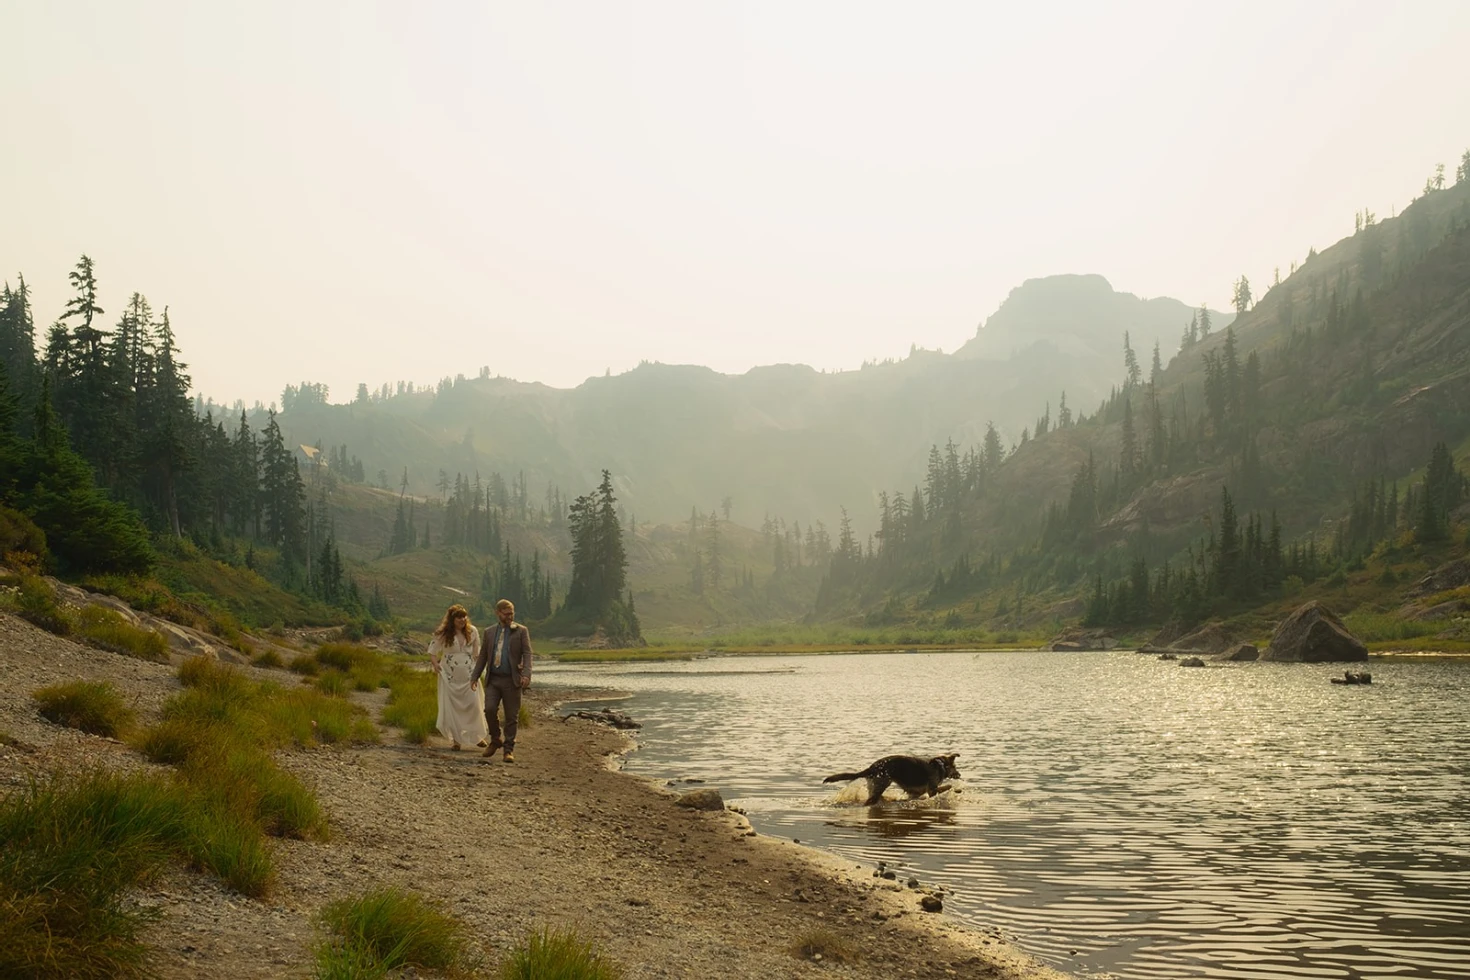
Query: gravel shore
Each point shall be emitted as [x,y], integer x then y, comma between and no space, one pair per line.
[559,838]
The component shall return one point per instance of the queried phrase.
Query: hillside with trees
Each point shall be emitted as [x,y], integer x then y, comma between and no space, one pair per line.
[1311,439]
[1313,444]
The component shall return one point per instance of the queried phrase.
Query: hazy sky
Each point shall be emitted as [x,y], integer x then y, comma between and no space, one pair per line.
[356,192]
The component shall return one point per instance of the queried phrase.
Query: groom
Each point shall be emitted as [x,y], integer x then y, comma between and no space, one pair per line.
[505,659]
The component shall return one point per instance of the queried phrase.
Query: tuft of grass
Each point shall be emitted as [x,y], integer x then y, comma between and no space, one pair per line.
[230,846]
[343,961]
[413,704]
[305,665]
[210,675]
[94,707]
[346,657]
[386,929]
[333,682]
[309,717]
[826,945]
[108,630]
[268,658]
[556,954]
[172,741]
[36,602]
[523,717]
[73,848]
[243,780]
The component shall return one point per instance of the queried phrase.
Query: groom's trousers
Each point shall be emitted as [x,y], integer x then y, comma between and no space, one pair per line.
[502,689]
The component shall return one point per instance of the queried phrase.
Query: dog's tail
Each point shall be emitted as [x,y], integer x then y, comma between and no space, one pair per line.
[842,777]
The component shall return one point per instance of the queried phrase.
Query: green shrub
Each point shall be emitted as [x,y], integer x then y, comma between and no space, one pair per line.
[37,605]
[22,543]
[94,707]
[558,955]
[392,928]
[107,629]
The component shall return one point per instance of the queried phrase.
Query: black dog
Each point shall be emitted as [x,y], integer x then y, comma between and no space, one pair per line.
[915,776]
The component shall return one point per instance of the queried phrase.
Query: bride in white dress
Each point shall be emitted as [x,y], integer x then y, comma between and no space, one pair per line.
[461,705]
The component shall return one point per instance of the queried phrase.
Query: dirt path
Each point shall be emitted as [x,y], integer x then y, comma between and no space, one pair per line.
[556,839]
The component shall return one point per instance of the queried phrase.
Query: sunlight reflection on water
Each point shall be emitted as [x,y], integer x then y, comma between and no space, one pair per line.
[1240,821]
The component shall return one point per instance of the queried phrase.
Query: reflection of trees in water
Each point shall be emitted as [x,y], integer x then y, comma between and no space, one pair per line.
[896,822]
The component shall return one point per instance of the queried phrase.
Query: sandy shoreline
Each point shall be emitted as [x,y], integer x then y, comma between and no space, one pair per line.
[561,838]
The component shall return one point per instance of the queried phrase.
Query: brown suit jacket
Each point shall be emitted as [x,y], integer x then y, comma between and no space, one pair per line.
[517,650]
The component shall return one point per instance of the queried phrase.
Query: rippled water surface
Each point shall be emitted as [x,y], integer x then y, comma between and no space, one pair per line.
[1119,815]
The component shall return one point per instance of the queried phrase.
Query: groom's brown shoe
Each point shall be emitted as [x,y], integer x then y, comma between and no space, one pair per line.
[494,747]
[510,756]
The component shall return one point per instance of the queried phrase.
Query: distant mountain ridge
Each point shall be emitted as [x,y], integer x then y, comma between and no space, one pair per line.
[781,439]
[1081,316]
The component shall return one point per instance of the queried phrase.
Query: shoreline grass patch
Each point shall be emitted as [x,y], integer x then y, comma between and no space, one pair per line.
[386,929]
[94,707]
[413,704]
[74,847]
[557,954]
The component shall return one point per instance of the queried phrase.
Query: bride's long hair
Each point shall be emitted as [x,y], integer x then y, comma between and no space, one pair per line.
[445,631]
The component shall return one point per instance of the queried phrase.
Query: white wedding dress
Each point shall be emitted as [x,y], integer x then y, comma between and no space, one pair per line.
[461,708]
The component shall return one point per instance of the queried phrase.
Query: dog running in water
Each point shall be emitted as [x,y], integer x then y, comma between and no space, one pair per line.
[915,776]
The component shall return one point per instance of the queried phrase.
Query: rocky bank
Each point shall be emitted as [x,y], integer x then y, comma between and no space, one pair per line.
[560,838]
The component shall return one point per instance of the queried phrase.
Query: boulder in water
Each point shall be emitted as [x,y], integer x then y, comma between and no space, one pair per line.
[1075,639]
[1313,634]
[1241,651]
[702,799]
[1211,638]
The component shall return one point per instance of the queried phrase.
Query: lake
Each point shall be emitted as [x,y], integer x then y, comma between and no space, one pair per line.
[1119,815]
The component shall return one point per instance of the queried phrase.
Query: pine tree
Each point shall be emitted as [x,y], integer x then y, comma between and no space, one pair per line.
[1241,295]
[85,530]
[170,425]
[1227,549]
[1230,367]
[1133,375]
[714,565]
[1128,456]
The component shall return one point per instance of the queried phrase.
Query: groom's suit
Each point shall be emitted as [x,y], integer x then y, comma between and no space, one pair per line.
[504,681]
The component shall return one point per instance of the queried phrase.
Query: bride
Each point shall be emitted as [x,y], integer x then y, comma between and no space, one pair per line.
[461,704]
